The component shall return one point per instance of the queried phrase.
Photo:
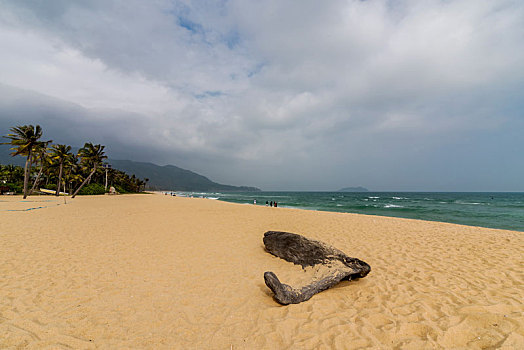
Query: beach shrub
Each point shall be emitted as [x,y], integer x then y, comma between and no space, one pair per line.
[121,190]
[49,187]
[92,189]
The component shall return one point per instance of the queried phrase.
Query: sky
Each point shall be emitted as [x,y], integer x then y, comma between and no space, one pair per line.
[407,95]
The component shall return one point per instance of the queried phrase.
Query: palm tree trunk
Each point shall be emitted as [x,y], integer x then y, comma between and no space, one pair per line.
[59,180]
[36,180]
[83,183]
[26,172]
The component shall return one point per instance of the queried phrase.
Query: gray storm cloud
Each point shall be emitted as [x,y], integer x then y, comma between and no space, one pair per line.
[391,95]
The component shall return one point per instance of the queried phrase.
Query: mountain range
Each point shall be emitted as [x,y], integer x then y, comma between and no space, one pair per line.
[170,177]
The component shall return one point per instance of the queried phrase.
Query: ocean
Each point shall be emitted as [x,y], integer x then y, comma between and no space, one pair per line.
[492,210]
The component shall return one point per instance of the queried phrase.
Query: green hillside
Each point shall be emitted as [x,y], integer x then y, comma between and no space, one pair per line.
[170,177]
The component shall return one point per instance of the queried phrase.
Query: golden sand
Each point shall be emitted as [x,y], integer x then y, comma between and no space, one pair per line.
[162,272]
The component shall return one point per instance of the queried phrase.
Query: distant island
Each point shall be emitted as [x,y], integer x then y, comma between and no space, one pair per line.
[353,189]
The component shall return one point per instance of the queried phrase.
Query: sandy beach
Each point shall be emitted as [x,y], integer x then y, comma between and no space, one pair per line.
[162,272]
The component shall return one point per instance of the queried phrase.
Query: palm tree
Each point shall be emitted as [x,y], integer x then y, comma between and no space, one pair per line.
[40,152]
[71,178]
[60,154]
[12,173]
[23,139]
[3,173]
[91,156]
[71,175]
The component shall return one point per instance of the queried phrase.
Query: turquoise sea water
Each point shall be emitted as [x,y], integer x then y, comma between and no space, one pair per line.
[494,210]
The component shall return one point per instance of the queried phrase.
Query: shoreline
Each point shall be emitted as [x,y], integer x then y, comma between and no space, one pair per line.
[470,209]
[172,272]
[68,198]
[61,198]
[335,212]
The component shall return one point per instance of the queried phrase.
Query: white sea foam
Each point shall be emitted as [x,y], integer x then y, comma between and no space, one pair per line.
[373,197]
[393,206]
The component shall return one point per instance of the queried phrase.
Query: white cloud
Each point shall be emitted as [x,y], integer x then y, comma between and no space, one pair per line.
[222,85]
[32,62]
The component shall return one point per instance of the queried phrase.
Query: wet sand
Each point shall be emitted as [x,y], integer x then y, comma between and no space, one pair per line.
[162,272]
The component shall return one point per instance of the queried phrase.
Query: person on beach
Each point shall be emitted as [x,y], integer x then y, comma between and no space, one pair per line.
[275,204]
[267,204]
[271,203]
[255,202]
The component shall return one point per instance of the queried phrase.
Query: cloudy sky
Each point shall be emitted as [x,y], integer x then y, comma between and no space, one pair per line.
[407,95]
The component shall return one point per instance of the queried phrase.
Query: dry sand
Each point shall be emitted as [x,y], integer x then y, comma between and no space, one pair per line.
[159,272]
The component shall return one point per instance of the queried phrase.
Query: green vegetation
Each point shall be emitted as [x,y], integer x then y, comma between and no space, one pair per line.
[55,167]
[92,189]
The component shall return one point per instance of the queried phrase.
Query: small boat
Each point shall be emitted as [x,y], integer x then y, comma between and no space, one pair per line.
[46,191]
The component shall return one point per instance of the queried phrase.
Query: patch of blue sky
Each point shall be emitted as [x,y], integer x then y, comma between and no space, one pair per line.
[207,94]
[232,39]
[255,70]
[183,16]
[193,27]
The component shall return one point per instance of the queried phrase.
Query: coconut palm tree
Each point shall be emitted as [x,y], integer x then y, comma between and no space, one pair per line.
[60,153]
[23,139]
[71,175]
[12,173]
[91,156]
[4,174]
[40,154]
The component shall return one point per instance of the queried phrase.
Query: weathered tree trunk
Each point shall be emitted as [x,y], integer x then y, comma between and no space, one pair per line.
[305,252]
[285,294]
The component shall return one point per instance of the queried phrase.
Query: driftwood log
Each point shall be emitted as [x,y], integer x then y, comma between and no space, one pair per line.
[305,252]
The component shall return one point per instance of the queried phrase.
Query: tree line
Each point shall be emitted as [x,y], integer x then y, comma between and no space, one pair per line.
[56,167]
